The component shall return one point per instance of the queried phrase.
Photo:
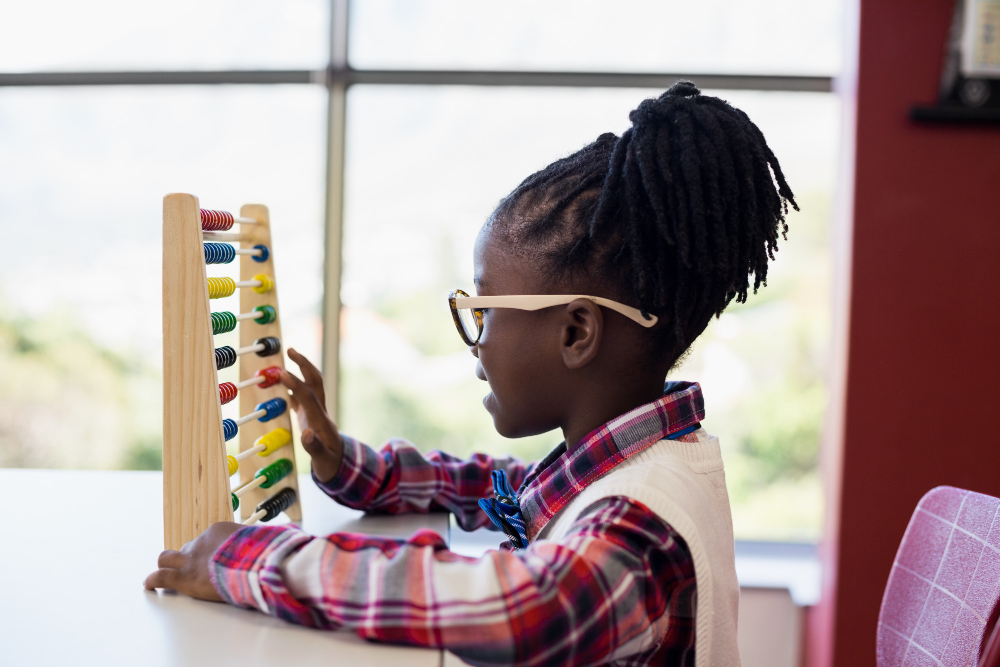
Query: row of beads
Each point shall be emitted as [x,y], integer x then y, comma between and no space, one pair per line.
[225,356]
[224,321]
[267,377]
[219,288]
[274,473]
[273,506]
[216,221]
[265,478]
[227,392]
[265,445]
[270,409]
[224,253]
[219,253]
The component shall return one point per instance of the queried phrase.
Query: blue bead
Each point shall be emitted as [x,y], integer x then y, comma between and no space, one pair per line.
[229,429]
[264,253]
[273,408]
[219,253]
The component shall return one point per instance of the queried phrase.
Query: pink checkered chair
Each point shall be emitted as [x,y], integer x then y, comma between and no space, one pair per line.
[941,603]
[991,652]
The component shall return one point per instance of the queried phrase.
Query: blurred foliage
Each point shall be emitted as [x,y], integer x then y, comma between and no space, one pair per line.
[68,402]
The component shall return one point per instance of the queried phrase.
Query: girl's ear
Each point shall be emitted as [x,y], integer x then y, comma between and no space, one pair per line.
[582,333]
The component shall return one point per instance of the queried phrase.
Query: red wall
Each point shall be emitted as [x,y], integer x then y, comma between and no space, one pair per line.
[922,403]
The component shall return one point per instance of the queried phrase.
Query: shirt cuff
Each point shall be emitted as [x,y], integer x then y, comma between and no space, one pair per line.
[354,484]
[252,555]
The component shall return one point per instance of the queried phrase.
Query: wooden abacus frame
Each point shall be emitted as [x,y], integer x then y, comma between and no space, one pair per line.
[196,486]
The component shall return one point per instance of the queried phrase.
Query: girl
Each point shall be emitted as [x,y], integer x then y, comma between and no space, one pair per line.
[593,277]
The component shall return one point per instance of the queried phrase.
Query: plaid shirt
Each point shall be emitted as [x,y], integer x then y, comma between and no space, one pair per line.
[619,587]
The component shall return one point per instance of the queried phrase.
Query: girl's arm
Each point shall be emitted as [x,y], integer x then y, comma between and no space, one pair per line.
[599,595]
[399,478]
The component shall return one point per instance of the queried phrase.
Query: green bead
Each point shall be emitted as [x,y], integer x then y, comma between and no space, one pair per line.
[270,314]
[223,322]
[236,502]
[275,472]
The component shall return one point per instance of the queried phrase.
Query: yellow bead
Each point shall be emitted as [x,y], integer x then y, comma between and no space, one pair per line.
[273,440]
[234,465]
[219,288]
[266,284]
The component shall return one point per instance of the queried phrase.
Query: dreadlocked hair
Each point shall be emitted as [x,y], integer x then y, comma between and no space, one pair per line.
[675,215]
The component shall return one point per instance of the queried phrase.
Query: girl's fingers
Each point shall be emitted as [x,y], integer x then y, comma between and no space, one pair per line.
[315,412]
[164,578]
[295,384]
[313,378]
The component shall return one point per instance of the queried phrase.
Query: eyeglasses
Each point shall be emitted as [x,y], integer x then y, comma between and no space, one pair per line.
[467,311]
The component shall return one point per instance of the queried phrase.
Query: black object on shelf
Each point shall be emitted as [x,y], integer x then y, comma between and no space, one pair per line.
[954,113]
[961,98]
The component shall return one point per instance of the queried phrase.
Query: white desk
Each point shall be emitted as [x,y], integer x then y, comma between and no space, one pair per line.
[75,547]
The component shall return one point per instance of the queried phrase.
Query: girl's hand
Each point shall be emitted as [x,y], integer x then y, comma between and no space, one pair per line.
[186,571]
[320,436]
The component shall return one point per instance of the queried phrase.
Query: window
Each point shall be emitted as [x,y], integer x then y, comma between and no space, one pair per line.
[84,170]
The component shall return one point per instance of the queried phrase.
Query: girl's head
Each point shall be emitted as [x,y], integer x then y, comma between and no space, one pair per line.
[673,218]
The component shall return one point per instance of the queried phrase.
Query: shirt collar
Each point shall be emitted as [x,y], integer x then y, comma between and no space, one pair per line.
[562,475]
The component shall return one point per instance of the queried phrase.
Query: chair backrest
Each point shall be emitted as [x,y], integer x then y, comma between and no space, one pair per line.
[944,584]
[991,650]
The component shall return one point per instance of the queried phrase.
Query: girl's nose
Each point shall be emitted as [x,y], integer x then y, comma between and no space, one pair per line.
[475,350]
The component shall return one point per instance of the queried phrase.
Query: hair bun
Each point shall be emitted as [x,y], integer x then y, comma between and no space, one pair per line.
[683,89]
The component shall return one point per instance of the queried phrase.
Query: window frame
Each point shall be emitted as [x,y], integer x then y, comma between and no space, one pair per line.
[339,76]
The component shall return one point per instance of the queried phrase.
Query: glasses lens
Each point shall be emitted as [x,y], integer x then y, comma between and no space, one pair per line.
[469,323]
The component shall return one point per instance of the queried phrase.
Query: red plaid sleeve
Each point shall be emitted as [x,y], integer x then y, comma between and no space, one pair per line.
[620,586]
[399,479]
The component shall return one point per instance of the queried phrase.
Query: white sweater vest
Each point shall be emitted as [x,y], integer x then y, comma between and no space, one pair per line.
[685,485]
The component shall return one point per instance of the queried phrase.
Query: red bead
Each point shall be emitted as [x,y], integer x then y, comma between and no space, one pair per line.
[227,392]
[216,221]
[271,375]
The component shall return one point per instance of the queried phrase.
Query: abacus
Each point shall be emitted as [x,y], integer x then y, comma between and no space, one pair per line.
[196,469]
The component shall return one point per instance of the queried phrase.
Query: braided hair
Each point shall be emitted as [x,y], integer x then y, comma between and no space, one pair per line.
[673,217]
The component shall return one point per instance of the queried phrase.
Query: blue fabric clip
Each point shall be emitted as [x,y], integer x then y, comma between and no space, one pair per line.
[504,510]
[684,431]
